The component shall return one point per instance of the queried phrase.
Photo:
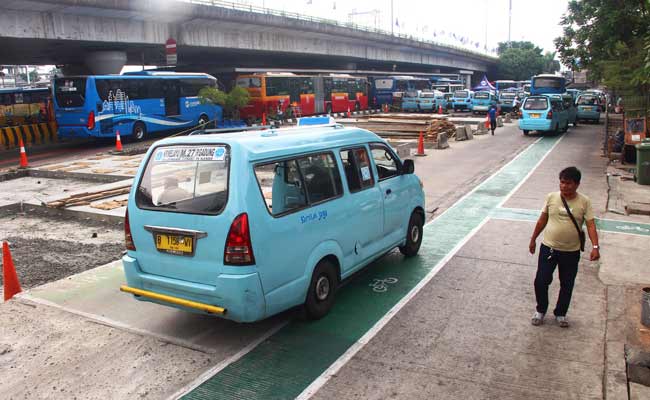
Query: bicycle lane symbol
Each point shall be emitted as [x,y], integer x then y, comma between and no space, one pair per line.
[381,285]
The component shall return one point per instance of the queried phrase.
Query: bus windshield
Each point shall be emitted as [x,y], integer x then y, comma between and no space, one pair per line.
[252,82]
[70,92]
[548,83]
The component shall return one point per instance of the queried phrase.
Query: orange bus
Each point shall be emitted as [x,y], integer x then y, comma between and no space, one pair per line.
[281,93]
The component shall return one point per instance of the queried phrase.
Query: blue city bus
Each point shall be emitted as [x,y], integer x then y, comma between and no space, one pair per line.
[386,87]
[135,104]
[547,84]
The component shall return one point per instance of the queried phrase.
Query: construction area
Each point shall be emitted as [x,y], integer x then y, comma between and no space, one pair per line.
[68,331]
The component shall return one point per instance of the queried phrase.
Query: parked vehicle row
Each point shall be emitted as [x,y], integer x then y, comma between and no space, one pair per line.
[551,107]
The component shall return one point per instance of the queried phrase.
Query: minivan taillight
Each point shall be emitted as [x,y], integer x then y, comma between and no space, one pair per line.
[91,121]
[128,239]
[549,115]
[238,250]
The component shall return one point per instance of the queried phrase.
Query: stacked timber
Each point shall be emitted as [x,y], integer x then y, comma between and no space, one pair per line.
[402,125]
[83,199]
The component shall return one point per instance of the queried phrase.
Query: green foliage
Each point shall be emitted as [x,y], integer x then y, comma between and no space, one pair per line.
[521,60]
[608,38]
[33,76]
[231,102]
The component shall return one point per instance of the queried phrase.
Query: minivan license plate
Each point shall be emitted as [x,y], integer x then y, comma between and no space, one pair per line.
[535,115]
[174,244]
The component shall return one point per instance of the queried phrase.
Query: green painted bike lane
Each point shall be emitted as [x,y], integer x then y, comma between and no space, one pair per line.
[605,225]
[286,363]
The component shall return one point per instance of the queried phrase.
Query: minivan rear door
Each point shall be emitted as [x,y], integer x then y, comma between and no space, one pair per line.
[178,223]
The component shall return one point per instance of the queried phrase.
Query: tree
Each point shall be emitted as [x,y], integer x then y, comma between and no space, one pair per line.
[522,60]
[610,39]
[231,102]
[33,76]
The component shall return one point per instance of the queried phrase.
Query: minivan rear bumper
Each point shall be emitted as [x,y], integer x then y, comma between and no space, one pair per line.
[590,115]
[535,124]
[240,295]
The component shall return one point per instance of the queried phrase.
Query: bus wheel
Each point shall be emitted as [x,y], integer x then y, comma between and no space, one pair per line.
[322,291]
[203,121]
[328,109]
[139,131]
[526,132]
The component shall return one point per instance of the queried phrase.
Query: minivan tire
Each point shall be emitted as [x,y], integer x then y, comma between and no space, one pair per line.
[526,132]
[413,236]
[322,291]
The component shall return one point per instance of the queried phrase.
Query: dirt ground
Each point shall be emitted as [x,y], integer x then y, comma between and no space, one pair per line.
[39,345]
[45,249]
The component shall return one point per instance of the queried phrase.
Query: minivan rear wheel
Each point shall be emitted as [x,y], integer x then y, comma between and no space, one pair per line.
[526,132]
[413,236]
[322,291]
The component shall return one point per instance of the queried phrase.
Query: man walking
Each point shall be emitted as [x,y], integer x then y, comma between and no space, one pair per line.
[493,118]
[561,220]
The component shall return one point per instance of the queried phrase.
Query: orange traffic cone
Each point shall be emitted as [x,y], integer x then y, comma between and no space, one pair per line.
[9,277]
[118,141]
[421,146]
[439,109]
[349,115]
[263,118]
[23,155]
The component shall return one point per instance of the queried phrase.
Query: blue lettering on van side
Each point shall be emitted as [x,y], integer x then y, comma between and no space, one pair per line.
[315,216]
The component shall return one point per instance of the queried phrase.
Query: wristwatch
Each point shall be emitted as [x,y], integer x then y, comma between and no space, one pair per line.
[596,247]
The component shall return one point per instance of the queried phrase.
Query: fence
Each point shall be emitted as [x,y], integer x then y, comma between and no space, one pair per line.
[633,107]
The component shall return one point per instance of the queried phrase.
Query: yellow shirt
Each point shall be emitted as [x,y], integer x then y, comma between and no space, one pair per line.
[560,233]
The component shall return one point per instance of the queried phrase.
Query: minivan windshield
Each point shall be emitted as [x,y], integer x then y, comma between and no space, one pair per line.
[482,95]
[187,179]
[536,103]
[461,94]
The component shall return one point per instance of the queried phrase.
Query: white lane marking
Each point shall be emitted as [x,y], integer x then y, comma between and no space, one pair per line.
[223,364]
[358,345]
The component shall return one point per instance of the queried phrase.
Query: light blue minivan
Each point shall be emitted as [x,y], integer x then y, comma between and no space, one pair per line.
[246,225]
[543,113]
[483,101]
[588,107]
[462,100]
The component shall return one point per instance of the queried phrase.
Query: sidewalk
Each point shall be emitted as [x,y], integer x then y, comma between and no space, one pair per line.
[467,334]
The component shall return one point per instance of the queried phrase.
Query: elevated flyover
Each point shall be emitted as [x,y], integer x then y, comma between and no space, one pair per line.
[101,35]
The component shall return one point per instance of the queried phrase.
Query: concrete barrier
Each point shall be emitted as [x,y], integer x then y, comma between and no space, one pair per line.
[469,132]
[442,143]
[499,122]
[32,134]
[481,129]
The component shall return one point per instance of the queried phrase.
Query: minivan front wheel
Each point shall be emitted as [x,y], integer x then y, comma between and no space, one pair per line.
[322,291]
[413,236]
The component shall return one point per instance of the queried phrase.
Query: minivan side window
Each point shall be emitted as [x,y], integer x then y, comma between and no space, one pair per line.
[357,169]
[387,165]
[321,176]
[290,185]
[281,186]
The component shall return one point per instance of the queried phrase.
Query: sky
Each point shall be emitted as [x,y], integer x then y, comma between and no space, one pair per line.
[464,23]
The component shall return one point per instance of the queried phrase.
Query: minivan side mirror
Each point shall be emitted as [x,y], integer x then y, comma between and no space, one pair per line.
[408,167]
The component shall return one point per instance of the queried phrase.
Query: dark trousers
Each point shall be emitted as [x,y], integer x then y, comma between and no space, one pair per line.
[567,261]
[493,125]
